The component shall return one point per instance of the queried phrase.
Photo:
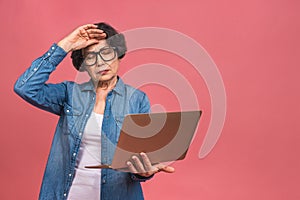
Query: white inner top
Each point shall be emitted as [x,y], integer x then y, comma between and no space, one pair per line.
[86,183]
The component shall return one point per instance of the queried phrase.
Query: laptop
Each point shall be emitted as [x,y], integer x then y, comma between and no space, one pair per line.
[164,137]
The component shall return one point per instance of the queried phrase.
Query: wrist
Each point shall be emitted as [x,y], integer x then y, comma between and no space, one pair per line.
[65,45]
[137,177]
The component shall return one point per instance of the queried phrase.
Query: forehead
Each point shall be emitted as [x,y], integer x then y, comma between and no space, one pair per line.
[96,47]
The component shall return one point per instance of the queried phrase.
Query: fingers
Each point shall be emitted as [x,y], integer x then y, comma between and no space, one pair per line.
[138,164]
[96,34]
[164,168]
[83,34]
[141,166]
[167,169]
[147,164]
[144,167]
[131,168]
[138,167]
[89,26]
[91,31]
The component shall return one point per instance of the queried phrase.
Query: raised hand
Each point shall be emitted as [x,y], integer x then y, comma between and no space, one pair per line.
[82,37]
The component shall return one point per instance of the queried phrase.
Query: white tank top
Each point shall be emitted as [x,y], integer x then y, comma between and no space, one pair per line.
[86,183]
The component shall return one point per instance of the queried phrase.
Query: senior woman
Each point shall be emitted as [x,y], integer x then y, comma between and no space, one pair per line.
[91,114]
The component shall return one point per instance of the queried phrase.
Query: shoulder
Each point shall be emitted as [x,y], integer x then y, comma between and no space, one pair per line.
[136,96]
[79,86]
[128,90]
[134,91]
[138,100]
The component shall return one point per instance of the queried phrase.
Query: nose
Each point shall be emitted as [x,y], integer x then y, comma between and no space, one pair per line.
[99,62]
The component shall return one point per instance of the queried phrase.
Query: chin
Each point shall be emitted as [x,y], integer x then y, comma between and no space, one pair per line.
[106,78]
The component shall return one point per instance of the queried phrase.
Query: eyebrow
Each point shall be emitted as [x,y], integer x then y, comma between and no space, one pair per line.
[91,51]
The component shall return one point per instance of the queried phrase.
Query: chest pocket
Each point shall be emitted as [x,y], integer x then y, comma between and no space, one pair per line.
[70,118]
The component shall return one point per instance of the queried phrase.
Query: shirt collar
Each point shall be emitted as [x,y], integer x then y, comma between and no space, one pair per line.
[119,88]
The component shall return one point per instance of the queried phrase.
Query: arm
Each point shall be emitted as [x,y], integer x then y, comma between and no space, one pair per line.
[32,86]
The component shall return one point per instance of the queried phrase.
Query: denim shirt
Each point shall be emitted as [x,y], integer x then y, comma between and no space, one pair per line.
[74,103]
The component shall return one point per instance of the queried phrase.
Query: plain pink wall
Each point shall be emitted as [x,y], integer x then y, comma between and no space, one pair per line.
[256,47]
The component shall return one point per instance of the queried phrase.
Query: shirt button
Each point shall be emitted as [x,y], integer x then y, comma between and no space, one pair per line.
[68,111]
[52,47]
[65,194]
[80,134]
[103,181]
[34,69]
[86,115]
[74,154]
[49,54]
[70,175]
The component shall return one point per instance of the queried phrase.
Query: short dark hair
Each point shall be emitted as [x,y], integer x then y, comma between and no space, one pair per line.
[113,39]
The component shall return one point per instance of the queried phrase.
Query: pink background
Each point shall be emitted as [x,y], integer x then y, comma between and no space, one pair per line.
[256,47]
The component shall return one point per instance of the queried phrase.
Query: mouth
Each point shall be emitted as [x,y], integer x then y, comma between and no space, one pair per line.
[102,72]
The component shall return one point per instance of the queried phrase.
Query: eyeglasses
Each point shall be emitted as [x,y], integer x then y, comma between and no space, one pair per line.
[106,54]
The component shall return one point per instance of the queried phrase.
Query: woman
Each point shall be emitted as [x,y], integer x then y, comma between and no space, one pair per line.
[91,115]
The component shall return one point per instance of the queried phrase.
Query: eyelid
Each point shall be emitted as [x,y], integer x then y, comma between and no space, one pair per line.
[90,54]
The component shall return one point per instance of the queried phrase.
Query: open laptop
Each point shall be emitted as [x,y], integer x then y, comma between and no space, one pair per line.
[162,136]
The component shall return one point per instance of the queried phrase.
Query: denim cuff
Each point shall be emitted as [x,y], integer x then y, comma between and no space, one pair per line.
[55,54]
[140,178]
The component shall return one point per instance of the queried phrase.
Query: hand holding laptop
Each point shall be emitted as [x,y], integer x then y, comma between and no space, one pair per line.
[143,166]
[166,137]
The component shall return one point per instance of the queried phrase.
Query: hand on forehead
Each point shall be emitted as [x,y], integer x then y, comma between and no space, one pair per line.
[96,47]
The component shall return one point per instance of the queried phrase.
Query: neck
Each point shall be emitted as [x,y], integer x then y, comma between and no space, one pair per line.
[106,85]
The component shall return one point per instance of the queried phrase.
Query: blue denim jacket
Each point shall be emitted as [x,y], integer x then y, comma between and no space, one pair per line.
[74,103]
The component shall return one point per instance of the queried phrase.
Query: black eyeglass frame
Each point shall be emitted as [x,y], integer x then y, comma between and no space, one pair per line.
[98,53]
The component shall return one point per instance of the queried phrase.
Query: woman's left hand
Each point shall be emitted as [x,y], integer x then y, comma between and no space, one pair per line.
[143,166]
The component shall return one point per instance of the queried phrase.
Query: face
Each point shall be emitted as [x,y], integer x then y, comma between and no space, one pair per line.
[97,68]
